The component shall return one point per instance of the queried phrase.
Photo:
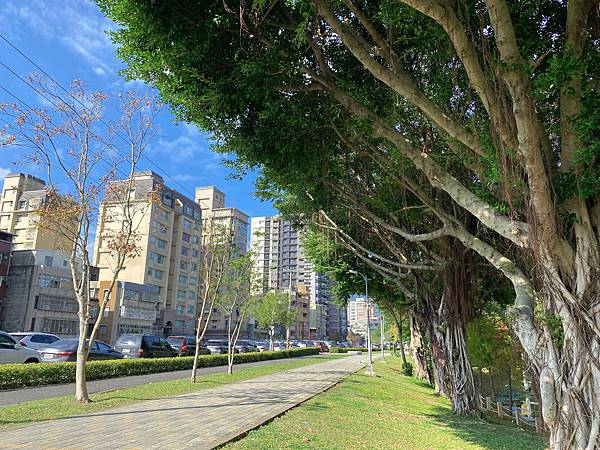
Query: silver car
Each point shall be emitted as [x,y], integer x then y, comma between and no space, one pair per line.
[11,352]
[32,339]
[216,347]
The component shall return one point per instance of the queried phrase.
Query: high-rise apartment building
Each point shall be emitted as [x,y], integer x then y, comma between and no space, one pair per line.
[357,315]
[22,195]
[169,228]
[217,218]
[281,264]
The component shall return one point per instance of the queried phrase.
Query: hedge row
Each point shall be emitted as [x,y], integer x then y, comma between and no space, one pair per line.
[16,376]
[347,349]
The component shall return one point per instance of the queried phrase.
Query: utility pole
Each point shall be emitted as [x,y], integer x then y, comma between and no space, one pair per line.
[368,303]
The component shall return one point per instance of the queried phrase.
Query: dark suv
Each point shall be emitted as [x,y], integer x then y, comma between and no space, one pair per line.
[186,345]
[144,346]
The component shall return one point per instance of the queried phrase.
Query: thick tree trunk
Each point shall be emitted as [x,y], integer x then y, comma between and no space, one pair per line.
[417,350]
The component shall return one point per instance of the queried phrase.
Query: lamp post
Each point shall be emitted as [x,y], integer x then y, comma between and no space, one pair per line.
[369,350]
[382,324]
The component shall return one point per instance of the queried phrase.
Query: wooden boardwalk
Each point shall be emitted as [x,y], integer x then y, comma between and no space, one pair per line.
[199,420]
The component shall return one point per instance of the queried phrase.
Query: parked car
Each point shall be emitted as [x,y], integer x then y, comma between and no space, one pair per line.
[262,346]
[11,352]
[244,346]
[278,346]
[34,339]
[186,345]
[144,346]
[323,348]
[66,350]
[302,344]
[216,347]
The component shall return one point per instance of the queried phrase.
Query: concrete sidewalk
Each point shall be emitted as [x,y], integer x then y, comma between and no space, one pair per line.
[58,390]
[200,420]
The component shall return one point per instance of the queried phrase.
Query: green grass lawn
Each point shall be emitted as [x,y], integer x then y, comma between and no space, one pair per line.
[386,412]
[57,407]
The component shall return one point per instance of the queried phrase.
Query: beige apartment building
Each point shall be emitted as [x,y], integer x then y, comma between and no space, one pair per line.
[39,294]
[169,226]
[220,219]
[22,195]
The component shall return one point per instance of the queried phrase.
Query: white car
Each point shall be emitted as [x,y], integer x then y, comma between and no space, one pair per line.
[11,352]
[34,339]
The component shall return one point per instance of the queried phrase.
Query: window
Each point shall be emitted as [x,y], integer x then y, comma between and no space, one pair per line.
[60,326]
[180,294]
[185,237]
[164,215]
[20,219]
[157,258]
[183,279]
[197,225]
[183,265]
[188,211]
[185,251]
[153,240]
[7,206]
[193,280]
[191,309]
[161,244]
[187,225]
[65,263]
[7,342]
[48,260]
[51,303]
[23,204]
[180,309]
[194,267]
[195,253]
[179,324]
[192,295]
[158,274]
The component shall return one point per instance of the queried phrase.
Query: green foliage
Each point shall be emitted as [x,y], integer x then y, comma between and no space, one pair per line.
[273,309]
[13,376]
[490,344]
[347,349]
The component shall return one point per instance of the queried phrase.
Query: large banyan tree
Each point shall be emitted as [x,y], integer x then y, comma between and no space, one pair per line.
[486,112]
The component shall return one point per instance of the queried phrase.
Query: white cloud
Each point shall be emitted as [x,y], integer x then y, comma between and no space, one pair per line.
[76,24]
[4,171]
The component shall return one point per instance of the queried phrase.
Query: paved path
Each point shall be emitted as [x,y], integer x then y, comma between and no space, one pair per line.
[43,392]
[201,420]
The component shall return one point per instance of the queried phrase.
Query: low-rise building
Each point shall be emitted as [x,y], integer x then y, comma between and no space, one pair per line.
[40,294]
[131,308]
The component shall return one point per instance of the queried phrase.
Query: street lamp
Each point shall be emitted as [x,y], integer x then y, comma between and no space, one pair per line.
[382,324]
[370,352]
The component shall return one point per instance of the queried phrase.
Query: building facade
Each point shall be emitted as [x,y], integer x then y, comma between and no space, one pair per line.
[168,227]
[5,257]
[231,225]
[281,264]
[357,315]
[22,195]
[40,294]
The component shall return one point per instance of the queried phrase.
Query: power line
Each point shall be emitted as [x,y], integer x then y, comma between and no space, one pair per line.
[147,158]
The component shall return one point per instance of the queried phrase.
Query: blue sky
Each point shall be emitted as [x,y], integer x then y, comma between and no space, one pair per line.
[67,39]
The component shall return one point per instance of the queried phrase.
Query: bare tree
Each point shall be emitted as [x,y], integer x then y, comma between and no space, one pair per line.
[218,250]
[74,141]
[236,300]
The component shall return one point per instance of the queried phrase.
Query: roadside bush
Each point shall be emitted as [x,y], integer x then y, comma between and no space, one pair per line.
[346,350]
[16,376]
[407,369]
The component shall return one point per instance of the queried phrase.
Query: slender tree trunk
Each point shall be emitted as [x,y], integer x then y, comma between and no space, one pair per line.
[230,348]
[271,335]
[81,392]
[492,389]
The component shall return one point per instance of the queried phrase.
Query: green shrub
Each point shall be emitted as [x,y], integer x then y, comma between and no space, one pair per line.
[346,350]
[16,376]
[407,369]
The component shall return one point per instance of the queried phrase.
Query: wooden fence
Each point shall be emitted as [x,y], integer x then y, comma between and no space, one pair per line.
[503,412]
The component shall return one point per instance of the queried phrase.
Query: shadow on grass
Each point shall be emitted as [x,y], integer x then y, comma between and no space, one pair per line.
[489,435]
